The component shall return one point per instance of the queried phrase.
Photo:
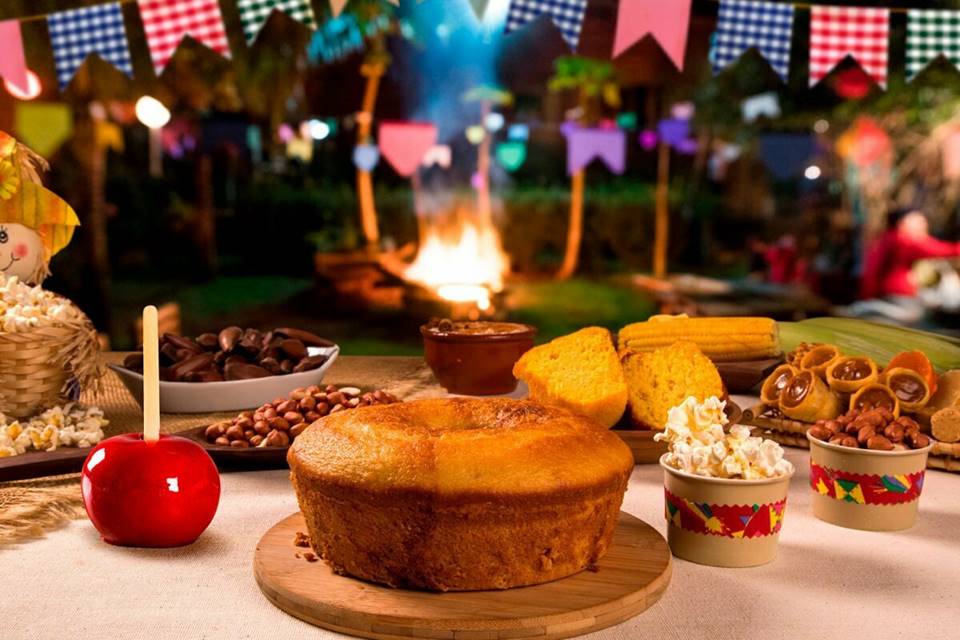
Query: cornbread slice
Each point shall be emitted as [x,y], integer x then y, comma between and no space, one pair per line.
[661,379]
[580,372]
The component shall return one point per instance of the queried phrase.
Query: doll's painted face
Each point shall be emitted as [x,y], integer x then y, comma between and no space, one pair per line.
[21,251]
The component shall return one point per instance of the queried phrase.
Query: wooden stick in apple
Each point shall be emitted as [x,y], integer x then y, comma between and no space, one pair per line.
[151,375]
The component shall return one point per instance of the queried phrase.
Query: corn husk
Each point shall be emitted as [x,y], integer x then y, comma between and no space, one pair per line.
[875,340]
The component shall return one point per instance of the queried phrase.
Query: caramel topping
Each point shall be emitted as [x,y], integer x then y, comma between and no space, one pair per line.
[797,389]
[781,381]
[853,369]
[907,386]
[873,397]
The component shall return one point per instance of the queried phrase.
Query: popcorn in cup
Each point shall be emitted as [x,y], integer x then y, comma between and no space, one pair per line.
[866,489]
[725,492]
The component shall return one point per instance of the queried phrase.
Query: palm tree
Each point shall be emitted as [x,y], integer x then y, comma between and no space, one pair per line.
[487,96]
[595,82]
[376,61]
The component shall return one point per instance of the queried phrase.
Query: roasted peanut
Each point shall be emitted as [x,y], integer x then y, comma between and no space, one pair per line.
[894,432]
[234,432]
[866,432]
[278,439]
[879,443]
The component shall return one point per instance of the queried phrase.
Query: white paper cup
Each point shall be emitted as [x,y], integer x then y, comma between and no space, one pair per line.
[866,489]
[723,523]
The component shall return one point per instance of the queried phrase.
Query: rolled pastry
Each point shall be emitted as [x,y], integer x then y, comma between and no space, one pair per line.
[819,359]
[775,383]
[911,388]
[851,373]
[808,398]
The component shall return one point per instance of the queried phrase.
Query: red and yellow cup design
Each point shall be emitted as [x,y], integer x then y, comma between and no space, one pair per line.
[725,520]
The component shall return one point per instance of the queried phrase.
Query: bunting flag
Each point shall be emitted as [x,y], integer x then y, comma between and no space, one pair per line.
[666,22]
[404,144]
[567,15]
[13,63]
[479,8]
[43,126]
[166,22]
[254,14]
[748,24]
[583,145]
[76,33]
[336,7]
[836,32]
[929,34]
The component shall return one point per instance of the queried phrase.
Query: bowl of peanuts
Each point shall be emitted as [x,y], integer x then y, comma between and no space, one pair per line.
[259,438]
[867,469]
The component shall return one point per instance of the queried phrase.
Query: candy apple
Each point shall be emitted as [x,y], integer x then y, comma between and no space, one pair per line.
[150,494]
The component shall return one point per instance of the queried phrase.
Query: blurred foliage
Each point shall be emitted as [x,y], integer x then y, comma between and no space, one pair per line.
[493,94]
[595,82]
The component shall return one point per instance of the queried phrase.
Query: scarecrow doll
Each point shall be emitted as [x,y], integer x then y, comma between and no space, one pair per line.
[35,223]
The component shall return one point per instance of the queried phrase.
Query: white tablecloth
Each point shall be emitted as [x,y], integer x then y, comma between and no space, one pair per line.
[828,582]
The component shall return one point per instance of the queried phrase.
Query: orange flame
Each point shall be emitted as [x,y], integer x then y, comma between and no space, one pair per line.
[463,261]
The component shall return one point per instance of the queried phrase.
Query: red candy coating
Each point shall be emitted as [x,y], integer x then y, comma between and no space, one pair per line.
[150,494]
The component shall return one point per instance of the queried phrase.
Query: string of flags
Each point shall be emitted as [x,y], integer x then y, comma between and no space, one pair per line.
[862,33]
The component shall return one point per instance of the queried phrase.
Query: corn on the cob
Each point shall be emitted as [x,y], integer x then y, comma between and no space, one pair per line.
[721,339]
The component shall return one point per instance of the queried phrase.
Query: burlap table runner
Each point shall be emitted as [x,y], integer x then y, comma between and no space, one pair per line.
[28,508]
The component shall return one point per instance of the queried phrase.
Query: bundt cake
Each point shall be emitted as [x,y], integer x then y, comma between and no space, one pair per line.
[580,372]
[459,494]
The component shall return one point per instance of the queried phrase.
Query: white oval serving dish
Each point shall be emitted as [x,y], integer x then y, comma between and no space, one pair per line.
[234,395]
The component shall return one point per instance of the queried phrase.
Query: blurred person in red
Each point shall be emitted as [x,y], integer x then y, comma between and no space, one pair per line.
[891,258]
[888,288]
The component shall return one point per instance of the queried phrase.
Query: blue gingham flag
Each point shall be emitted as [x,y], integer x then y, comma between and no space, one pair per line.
[929,34]
[254,14]
[77,33]
[567,15]
[744,24]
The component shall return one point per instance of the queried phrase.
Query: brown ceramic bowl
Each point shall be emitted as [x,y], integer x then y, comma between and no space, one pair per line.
[476,358]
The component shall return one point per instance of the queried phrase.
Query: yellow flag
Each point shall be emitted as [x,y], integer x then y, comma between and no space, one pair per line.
[43,126]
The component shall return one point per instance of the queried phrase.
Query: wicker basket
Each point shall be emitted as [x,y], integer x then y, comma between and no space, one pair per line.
[37,367]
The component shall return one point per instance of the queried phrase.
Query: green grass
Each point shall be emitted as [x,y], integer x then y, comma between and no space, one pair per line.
[559,308]
[378,347]
[234,294]
[555,308]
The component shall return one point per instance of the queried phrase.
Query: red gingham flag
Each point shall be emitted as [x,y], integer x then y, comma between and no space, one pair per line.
[836,32]
[166,22]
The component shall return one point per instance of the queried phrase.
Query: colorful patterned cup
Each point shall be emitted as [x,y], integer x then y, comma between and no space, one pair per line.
[723,523]
[865,489]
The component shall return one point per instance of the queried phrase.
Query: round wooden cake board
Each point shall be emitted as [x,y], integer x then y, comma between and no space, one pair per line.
[629,579]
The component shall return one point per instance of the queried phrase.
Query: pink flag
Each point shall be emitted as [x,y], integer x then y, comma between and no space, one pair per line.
[13,64]
[404,144]
[666,20]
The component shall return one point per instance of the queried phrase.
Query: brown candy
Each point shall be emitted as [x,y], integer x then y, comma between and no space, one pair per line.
[234,354]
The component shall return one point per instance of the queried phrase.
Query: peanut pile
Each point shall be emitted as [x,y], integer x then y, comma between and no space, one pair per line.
[277,423]
[876,429]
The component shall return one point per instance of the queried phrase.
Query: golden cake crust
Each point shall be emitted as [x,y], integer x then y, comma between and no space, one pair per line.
[459,494]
